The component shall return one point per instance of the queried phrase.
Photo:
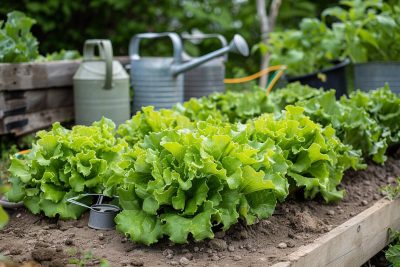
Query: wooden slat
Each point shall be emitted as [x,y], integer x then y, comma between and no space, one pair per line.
[20,102]
[30,122]
[24,76]
[36,75]
[352,243]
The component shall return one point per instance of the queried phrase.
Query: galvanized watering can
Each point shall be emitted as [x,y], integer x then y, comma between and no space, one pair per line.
[101,86]
[209,77]
[158,81]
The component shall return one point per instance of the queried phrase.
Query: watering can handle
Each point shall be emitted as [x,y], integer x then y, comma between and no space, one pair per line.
[73,200]
[176,43]
[106,53]
[203,36]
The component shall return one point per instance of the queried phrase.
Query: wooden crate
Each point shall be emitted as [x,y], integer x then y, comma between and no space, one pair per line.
[35,95]
[352,243]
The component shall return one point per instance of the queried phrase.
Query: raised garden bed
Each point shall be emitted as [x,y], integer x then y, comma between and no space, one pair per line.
[301,228]
[30,93]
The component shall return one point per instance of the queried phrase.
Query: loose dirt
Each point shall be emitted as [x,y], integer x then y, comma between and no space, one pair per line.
[295,223]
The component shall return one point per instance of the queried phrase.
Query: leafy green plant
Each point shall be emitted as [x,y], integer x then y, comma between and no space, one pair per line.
[181,183]
[393,252]
[392,192]
[312,47]
[61,55]
[17,44]
[64,163]
[147,120]
[3,213]
[370,29]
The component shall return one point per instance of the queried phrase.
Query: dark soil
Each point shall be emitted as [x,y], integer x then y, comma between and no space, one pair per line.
[295,223]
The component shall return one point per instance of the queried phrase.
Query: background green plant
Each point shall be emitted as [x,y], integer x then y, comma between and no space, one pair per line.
[370,29]
[67,24]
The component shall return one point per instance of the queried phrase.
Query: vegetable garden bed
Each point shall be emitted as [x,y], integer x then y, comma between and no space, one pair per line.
[295,223]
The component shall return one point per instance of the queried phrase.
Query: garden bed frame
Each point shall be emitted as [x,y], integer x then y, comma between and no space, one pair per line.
[36,94]
[352,243]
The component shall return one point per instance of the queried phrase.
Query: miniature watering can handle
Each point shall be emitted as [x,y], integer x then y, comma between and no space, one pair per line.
[198,37]
[176,43]
[73,200]
[106,53]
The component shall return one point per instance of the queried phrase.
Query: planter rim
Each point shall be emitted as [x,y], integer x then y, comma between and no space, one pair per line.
[377,62]
[65,61]
[339,65]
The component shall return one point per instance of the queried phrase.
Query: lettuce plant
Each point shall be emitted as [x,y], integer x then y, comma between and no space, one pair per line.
[182,183]
[17,44]
[64,163]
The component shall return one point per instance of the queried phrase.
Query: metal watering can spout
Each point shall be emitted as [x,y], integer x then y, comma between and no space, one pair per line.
[237,45]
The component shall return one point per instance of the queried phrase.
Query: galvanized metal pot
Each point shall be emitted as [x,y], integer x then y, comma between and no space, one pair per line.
[101,215]
[157,81]
[372,75]
[101,86]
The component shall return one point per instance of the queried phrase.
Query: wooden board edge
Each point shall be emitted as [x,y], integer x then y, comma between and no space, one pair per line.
[40,75]
[36,121]
[354,242]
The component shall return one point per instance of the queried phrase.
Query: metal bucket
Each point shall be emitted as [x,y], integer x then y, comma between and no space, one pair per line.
[373,75]
[209,77]
[101,215]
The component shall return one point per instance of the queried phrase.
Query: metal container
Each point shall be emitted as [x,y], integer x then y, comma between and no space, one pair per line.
[373,75]
[101,215]
[157,81]
[101,86]
[209,77]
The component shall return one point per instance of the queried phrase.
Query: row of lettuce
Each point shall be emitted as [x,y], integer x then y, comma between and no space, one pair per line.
[208,162]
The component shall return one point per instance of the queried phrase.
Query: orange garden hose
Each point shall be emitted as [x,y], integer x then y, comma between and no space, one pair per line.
[279,68]
[23,152]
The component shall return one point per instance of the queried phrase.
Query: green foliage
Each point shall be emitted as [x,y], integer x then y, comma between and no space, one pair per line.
[61,55]
[67,24]
[3,217]
[371,29]
[17,44]
[317,157]
[148,120]
[365,121]
[181,183]
[211,161]
[64,163]
[362,30]
[3,213]
[392,192]
[393,253]
[230,106]
[312,47]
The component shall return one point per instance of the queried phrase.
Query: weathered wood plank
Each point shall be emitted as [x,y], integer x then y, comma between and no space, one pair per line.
[30,122]
[19,102]
[34,75]
[24,76]
[352,243]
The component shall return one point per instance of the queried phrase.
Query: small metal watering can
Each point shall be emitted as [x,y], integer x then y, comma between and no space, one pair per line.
[101,86]
[101,215]
[209,77]
[157,81]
